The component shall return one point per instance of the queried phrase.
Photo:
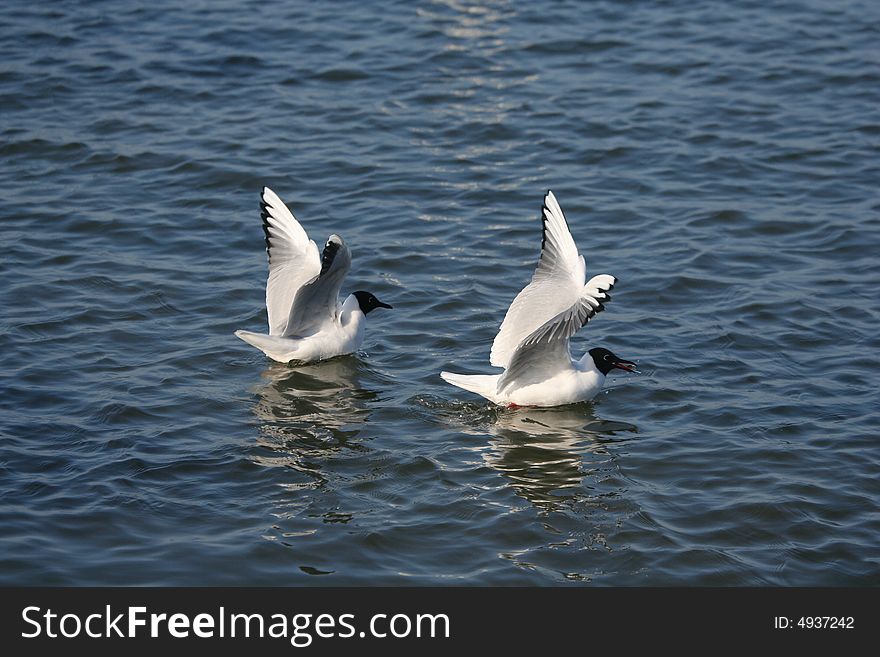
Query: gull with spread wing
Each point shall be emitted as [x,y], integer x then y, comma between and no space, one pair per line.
[307,322]
[532,344]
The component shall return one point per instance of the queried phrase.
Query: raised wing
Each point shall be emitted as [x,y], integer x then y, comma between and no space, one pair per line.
[293,260]
[316,302]
[556,285]
[545,351]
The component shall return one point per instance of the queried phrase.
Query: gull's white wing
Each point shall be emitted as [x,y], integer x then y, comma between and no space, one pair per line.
[545,351]
[316,302]
[293,260]
[556,285]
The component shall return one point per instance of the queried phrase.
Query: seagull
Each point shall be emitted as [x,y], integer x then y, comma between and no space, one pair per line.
[306,321]
[532,344]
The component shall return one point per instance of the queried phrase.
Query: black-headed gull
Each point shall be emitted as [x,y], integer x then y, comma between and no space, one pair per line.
[532,344]
[306,321]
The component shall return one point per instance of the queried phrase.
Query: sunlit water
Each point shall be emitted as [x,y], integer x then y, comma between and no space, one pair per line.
[721,159]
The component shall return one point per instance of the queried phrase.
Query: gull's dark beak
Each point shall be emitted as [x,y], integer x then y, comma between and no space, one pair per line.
[381,304]
[625,365]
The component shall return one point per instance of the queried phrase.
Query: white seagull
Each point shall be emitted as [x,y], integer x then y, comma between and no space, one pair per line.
[306,321]
[532,344]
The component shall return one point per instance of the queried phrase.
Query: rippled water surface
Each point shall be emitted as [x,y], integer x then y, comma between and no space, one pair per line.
[721,159]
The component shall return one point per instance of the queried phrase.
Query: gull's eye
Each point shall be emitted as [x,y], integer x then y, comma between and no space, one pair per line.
[606,357]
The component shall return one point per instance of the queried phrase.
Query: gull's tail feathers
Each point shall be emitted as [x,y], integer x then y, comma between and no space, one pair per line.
[275,347]
[484,385]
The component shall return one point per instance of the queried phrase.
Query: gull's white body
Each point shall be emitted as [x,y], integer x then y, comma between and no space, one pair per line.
[344,336]
[579,381]
[532,344]
[306,321]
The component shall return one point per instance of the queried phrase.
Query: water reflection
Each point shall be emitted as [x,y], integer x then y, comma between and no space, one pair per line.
[547,454]
[475,79]
[471,22]
[311,412]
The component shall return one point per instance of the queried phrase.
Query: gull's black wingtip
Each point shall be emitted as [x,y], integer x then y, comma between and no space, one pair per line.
[331,248]
[264,216]
[264,211]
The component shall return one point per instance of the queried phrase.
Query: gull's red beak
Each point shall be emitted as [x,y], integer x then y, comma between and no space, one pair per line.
[625,365]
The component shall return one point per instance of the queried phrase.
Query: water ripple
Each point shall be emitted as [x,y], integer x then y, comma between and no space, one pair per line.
[719,159]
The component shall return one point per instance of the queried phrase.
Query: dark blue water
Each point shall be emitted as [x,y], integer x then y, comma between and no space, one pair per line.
[721,159]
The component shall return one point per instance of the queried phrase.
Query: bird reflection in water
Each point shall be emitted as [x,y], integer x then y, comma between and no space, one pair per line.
[308,413]
[550,455]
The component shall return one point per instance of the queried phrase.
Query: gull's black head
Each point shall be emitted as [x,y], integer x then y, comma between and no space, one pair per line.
[606,361]
[368,302]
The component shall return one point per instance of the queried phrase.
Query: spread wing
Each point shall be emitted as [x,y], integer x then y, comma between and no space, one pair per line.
[556,285]
[293,260]
[545,351]
[316,302]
